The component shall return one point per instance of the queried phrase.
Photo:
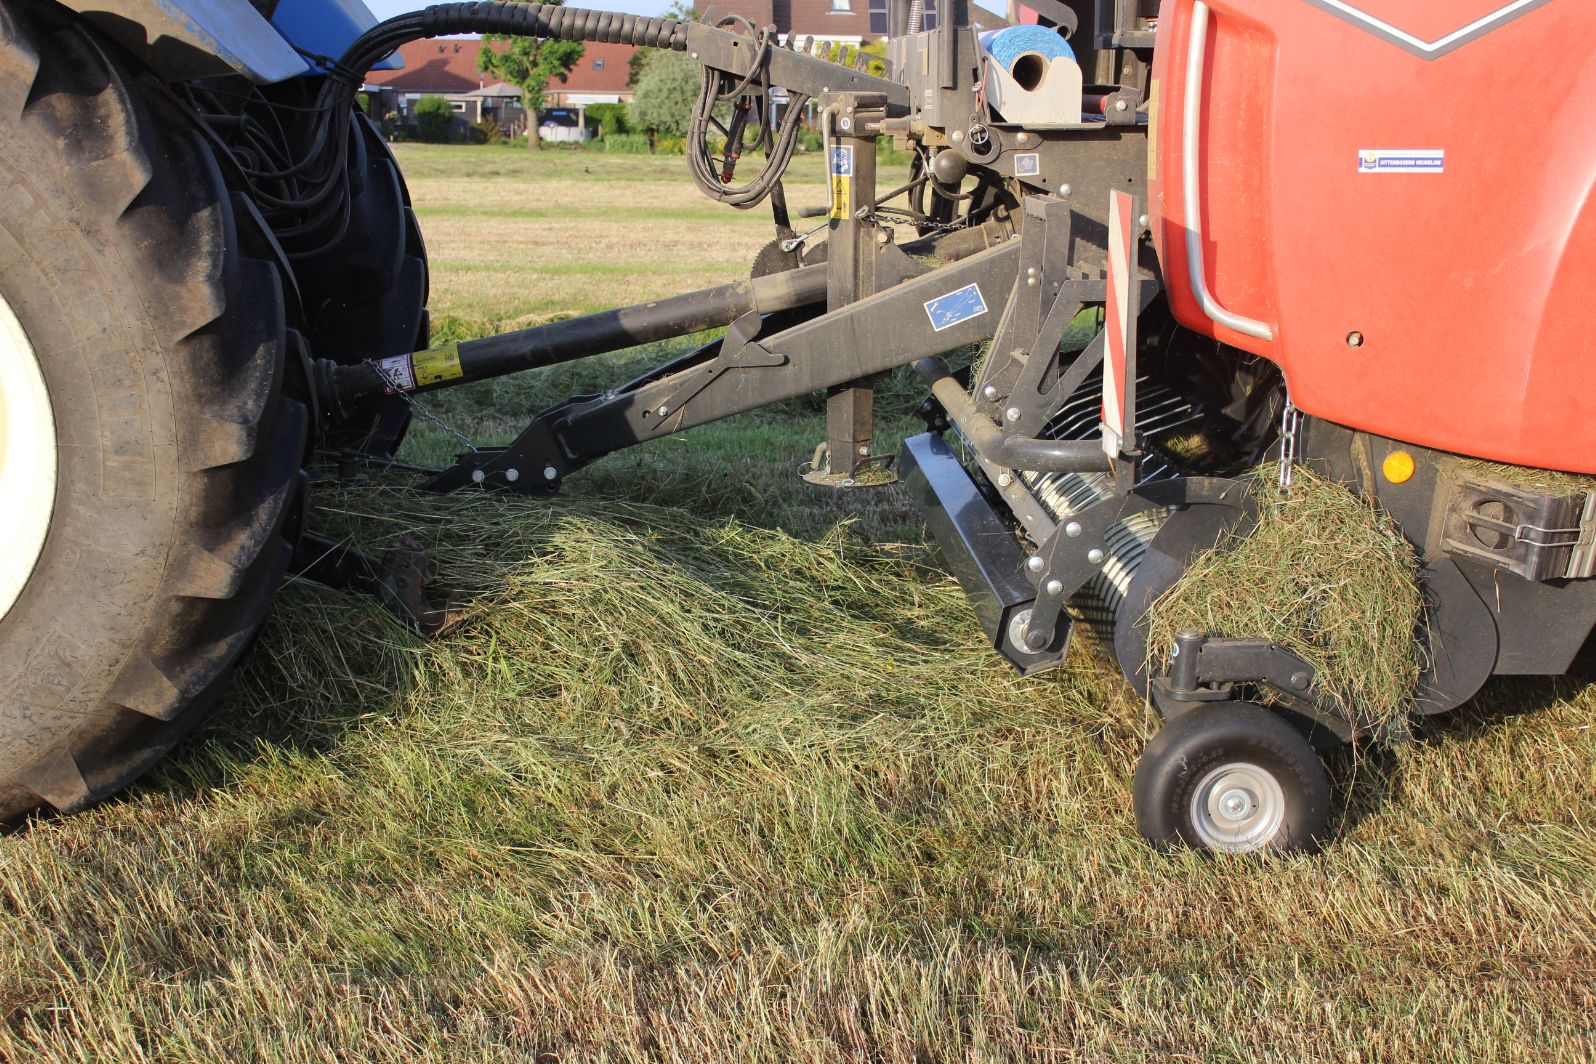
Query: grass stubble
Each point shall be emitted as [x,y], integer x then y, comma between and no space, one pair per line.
[694,786]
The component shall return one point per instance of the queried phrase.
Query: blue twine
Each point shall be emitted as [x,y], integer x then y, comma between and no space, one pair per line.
[1008,44]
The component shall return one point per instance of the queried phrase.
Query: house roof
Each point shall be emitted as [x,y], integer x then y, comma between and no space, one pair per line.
[449,65]
[498,90]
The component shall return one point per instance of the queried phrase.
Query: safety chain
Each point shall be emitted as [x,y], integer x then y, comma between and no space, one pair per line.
[1290,442]
[890,214]
[417,408]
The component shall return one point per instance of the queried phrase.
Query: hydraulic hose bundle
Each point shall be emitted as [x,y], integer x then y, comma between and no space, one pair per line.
[307,201]
[750,99]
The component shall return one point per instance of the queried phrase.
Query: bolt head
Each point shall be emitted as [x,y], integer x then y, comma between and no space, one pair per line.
[1142,221]
[956,136]
[1064,190]
[1095,556]
[1004,480]
[1300,680]
[662,411]
[550,473]
[1121,105]
[864,451]
[478,476]
[1035,563]
[1055,587]
[1354,339]
[1012,413]
[512,475]
[990,391]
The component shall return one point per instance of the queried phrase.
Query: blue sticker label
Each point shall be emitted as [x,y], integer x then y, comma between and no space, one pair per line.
[1401,161]
[842,161]
[1028,165]
[960,305]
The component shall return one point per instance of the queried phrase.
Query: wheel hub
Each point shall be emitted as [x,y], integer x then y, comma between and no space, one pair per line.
[1237,804]
[1238,808]
[27,458]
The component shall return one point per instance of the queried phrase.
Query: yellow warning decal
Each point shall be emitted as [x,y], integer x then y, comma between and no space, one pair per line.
[437,364]
[841,167]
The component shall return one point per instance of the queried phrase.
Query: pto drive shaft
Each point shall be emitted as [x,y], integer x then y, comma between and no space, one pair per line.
[565,341]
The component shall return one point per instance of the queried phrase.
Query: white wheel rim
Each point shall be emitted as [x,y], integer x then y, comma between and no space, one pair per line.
[27,459]
[1237,808]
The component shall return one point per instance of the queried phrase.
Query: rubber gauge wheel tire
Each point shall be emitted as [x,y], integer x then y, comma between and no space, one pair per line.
[1231,778]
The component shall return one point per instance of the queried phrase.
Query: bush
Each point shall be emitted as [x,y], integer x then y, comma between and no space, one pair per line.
[670,146]
[610,118]
[665,93]
[626,143]
[808,140]
[487,131]
[434,119]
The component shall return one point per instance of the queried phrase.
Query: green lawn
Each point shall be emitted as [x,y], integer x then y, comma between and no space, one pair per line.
[717,767]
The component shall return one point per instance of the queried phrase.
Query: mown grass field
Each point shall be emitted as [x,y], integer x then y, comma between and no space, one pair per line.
[718,768]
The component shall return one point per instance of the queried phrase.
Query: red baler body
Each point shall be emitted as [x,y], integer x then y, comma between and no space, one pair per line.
[1448,305]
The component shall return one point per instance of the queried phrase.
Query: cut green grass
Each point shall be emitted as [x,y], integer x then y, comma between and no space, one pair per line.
[703,776]
[1324,574]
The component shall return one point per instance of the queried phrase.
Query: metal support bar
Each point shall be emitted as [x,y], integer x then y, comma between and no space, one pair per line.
[1031,454]
[850,263]
[890,328]
[1207,670]
[794,71]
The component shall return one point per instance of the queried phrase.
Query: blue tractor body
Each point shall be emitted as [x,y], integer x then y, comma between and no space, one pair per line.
[182,39]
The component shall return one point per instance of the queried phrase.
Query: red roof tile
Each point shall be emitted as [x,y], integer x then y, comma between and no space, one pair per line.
[450,66]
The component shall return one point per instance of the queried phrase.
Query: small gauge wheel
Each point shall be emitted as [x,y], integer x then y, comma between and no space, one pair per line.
[1232,778]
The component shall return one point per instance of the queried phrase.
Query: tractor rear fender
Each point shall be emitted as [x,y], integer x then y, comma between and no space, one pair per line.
[183,39]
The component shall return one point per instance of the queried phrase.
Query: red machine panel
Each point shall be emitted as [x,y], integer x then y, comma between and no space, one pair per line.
[1394,202]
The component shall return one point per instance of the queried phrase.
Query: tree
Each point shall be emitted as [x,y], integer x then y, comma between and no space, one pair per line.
[666,91]
[434,119]
[681,12]
[529,64]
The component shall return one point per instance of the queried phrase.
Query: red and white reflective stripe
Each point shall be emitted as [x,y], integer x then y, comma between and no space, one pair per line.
[1121,245]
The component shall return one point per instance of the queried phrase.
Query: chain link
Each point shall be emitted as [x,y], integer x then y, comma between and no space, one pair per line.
[428,415]
[417,408]
[1290,443]
[893,214]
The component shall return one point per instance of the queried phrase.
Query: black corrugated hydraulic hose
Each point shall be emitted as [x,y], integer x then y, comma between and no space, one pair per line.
[561,23]
[522,20]
[548,21]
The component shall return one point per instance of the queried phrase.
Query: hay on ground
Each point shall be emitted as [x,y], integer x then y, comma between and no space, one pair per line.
[1324,574]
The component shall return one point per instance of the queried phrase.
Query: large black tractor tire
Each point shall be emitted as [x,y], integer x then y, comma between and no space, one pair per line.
[175,453]
[366,294]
